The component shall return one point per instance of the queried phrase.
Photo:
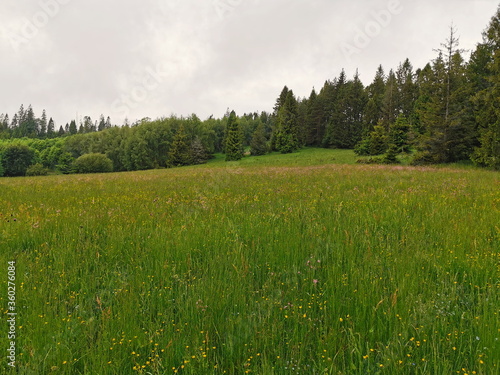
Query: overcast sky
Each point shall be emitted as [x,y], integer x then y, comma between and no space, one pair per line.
[154,58]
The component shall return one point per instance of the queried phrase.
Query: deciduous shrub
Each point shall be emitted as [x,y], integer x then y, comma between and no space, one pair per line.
[37,170]
[93,163]
[16,159]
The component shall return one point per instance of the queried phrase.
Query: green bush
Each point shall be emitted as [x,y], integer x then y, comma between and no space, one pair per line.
[16,159]
[93,163]
[37,170]
[65,163]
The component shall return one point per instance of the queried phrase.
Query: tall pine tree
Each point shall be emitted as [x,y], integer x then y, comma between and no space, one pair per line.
[233,139]
[287,139]
[488,99]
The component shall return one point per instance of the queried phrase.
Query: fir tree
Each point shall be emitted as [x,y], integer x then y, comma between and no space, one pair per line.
[198,152]
[488,99]
[233,139]
[378,140]
[51,129]
[390,102]
[43,125]
[398,134]
[313,120]
[373,110]
[72,127]
[258,144]
[180,153]
[287,139]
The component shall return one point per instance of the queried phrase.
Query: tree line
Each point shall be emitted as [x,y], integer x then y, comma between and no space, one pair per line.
[444,112]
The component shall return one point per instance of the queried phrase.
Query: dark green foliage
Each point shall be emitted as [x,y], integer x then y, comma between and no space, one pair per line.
[348,100]
[448,133]
[72,127]
[198,152]
[2,172]
[258,145]
[37,170]
[373,111]
[390,157]
[287,139]
[65,163]
[378,140]
[93,163]
[399,134]
[313,123]
[376,143]
[233,141]
[488,99]
[16,159]
[391,100]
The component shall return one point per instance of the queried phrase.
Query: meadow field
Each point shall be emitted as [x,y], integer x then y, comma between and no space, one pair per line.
[283,264]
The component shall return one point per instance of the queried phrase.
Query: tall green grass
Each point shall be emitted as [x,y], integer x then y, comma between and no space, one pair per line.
[273,265]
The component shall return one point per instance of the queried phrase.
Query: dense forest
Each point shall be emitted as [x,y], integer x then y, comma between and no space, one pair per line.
[445,112]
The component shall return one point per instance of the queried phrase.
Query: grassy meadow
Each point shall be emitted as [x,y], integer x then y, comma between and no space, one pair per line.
[282,264]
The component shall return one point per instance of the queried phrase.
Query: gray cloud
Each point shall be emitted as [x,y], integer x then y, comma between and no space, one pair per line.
[157,57]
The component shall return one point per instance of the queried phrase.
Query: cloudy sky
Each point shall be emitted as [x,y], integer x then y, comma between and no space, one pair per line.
[153,58]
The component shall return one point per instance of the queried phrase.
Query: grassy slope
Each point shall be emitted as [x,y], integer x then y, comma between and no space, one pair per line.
[295,263]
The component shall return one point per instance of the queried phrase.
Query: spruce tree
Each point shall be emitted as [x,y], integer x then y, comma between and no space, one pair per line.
[198,152]
[379,140]
[407,89]
[72,127]
[399,134]
[51,129]
[447,136]
[313,120]
[287,139]
[258,144]
[391,101]
[234,139]
[373,110]
[180,153]
[488,99]
[43,125]
[337,129]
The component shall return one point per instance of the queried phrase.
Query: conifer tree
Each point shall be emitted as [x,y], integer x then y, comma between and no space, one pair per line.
[51,129]
[198,152]
[357,99]
[373,110]
[234,139]
[43,125]
[72,127]
[258,144]
[407,89]
[313,120]
[390,102]
[287,139]
[488,99]
[180,153]
[399,134]
[447,135]
[337,129]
